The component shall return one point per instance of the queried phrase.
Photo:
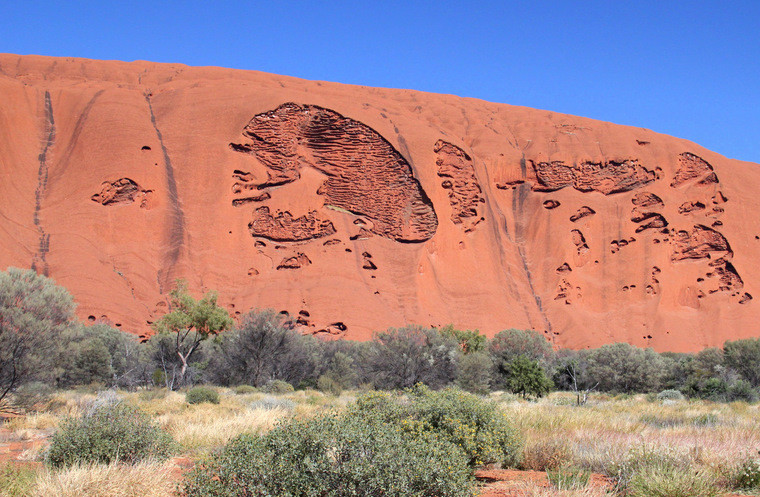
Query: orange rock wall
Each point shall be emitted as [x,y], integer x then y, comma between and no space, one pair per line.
[352,209]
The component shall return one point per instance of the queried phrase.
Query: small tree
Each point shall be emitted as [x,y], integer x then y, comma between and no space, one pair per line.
[743,356]
[571,373]
[99,353]
[188,323]
[33,312]
[526,377]
[475,373]
[403,357]
[261,349]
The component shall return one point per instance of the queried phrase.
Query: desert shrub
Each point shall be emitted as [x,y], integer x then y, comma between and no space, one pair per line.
[741,390]
[244,389]
[108,432]
[670,395]
[341,368]
[743,356]
[33,397]
[621,367]
[200,395]
[277,387]
[546,454]
[673,482]
[679,367]
[509,344]
[474,373]
[746,475]
[568,478]
[263,348]
[403,357]
[327,384]
[332,456]
[461,418]
[269,403]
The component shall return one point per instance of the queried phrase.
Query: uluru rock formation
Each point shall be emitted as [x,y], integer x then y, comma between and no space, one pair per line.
[350,209]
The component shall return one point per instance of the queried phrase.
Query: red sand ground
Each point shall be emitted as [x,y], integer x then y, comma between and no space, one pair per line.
[355,208]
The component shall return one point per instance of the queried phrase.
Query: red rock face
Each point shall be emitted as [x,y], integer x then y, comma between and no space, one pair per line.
[351,209]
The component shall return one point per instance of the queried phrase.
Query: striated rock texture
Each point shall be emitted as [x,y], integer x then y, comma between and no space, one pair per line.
[350,209]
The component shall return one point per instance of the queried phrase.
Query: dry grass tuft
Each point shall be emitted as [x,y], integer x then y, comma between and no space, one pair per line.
[114,480]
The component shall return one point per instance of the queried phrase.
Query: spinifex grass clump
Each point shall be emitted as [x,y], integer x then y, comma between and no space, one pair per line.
[107,433]
[333,456]
[568,478]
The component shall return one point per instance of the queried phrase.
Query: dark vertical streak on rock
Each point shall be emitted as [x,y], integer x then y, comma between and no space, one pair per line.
[176,232]
[65,156]
[42,179]
[518,207]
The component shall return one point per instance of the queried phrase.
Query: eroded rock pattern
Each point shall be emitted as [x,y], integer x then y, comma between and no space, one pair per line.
[607,178]
[691,167]
[367,176]
[246,189]
[654,220]
[646,199]
[465,195]
[295,262]
[691,206]
[701,243]
[282,227]
[582,212]
[121,191]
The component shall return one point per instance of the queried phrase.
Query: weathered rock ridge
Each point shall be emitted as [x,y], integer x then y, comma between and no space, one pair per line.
[351,209]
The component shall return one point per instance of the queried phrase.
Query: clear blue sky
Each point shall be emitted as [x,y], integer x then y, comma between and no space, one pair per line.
[689,69]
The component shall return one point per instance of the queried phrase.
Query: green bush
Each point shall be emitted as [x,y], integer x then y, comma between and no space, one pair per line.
[746,476]
[199,395]
[464,419]
[108,432]
[277,386]
[245,389]
[332,456]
